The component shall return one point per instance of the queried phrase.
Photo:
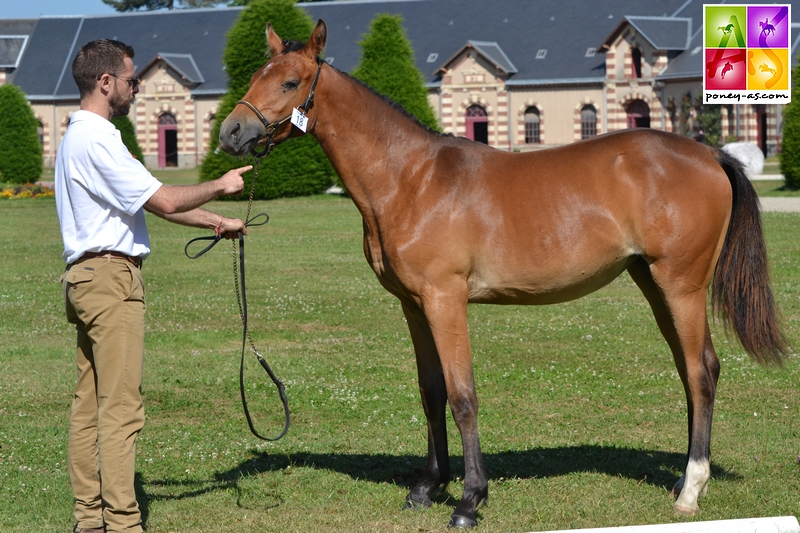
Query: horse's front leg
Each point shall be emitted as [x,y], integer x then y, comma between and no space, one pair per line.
[446,312]
[434,402]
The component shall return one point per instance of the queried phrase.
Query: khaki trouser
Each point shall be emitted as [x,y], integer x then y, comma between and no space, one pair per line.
[104,298]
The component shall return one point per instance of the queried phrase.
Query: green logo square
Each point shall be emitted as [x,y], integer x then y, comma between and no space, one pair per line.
[725,26]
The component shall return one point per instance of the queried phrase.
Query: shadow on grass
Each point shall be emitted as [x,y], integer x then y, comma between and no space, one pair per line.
[656,468]
[646,466]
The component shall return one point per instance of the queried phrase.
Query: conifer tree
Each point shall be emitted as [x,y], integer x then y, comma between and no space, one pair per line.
[297,167]
[790,138]
[128,134]
[387,65]
[20,149]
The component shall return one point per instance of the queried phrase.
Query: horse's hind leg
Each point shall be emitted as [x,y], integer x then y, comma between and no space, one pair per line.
[681,316]
[434,401]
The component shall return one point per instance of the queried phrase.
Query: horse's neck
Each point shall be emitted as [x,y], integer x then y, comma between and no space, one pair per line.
[372,145]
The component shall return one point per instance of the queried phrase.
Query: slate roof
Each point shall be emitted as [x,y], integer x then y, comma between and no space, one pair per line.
[11,47]
[507,32]
[489,50]
[183,64]
[14,38]
[664,33]
[565,28]
[192,41]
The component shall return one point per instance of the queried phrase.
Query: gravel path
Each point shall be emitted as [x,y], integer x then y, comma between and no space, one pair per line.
[782,205]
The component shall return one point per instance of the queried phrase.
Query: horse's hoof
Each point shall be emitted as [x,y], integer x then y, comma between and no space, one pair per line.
[413,504]
[686,511]
[462,522]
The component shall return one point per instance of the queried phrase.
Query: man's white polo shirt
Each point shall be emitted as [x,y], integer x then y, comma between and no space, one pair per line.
[100,190]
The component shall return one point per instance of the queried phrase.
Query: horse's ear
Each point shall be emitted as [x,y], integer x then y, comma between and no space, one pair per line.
[274,43]
[316,43]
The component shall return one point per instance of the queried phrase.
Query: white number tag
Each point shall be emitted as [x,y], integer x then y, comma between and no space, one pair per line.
[299,119]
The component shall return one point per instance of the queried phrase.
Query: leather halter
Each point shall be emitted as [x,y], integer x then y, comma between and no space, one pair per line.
[271,127]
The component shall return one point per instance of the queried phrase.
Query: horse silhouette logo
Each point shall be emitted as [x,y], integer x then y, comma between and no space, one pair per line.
[727,68]
[766,27]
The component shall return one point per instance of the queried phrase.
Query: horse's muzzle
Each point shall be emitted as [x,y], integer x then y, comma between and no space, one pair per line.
[238,136]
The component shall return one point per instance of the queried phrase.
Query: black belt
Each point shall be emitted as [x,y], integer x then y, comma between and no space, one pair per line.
[135,261]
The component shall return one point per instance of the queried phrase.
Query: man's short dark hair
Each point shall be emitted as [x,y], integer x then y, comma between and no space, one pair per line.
[95,58]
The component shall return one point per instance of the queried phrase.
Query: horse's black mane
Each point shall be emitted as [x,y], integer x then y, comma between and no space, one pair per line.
[294,46]
[396,106]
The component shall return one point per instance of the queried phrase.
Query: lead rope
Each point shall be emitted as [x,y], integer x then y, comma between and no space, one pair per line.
[241,300]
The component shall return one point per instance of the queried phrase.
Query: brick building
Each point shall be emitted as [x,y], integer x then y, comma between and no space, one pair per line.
[516,74]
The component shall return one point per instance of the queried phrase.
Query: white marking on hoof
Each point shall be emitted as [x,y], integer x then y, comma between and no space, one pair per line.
[690,486]
[685,511]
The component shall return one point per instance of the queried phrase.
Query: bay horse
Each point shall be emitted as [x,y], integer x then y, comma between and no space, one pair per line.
[448,221]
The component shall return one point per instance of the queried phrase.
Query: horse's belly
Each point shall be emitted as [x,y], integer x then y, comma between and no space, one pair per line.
[544,286]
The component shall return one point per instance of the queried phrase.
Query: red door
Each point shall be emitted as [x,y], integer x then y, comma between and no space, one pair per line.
[167,141]
[477,124]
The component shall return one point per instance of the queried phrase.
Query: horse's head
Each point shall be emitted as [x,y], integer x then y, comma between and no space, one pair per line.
[284,83]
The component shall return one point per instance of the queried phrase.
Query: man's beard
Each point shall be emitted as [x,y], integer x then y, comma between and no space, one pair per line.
[120,105]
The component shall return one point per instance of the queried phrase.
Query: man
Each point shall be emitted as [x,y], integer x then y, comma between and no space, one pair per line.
[101,191]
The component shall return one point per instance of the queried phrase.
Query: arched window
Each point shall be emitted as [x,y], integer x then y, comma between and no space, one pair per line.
[636,60]
[588,121]
[532,126]
[40,132]
[638,114]
[477,124]
[167,140]
[166,118]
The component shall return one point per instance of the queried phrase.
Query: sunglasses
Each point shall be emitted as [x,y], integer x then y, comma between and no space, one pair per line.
[132,82]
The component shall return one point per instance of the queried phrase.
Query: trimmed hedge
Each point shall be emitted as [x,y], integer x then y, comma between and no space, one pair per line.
[128,133]
[790,139]
[20,148]
[297,167]
[387,65]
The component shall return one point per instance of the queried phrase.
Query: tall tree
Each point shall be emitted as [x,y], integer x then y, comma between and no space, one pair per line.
[152,5]
[295,168]
[387,65]
[128,133]
[20,149]
[790,138]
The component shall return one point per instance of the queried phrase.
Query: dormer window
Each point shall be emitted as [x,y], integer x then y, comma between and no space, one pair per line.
[541,53]
[636,63]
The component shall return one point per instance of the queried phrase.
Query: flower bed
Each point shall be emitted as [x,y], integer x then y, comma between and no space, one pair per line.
[27,190]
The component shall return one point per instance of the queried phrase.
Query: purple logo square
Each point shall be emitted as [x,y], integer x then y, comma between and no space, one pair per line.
[768,26]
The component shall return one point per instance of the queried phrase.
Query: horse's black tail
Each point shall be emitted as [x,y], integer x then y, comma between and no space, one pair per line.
[740,291]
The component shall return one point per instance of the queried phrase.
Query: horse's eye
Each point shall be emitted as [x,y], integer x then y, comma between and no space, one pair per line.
[290,85]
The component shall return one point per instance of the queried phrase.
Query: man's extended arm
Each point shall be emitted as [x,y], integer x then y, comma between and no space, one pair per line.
[172,199]
[202,218]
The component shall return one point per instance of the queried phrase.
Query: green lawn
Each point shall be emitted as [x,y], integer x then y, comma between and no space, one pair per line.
[582,415]
[774,188]
[178,176]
